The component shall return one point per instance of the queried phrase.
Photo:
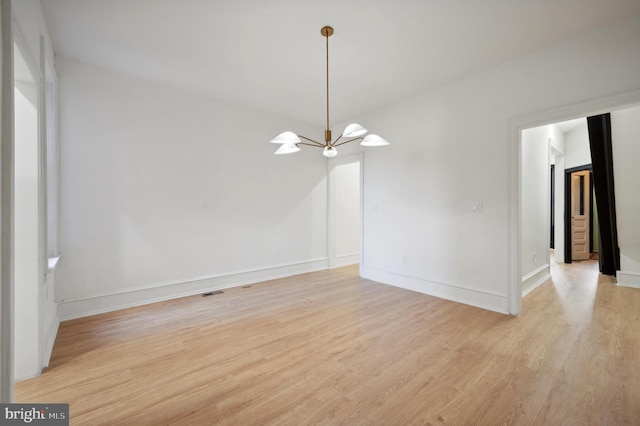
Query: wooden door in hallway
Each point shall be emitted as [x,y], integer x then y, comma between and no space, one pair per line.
[580,232]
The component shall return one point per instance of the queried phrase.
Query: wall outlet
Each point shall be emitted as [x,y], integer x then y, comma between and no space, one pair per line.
[404,258]
[476,207]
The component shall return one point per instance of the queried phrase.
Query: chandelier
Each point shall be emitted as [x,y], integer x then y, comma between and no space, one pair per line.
[353,132]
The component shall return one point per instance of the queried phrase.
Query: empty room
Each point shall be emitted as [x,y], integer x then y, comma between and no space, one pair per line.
[340,212]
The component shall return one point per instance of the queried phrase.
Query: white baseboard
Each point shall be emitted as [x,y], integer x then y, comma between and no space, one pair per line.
[627,279]
[535,278]
[347,259]
[485,299]
[101,303]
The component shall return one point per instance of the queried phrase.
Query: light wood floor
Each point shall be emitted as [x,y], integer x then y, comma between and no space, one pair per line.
[331,348]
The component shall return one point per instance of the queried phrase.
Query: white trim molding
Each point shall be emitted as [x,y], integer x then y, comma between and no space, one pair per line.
[108,302]
[534,278]
[7,312]
[628,279]
[485,299]
[346,259]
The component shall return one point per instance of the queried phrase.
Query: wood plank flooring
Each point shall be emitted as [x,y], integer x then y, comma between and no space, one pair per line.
[332,348]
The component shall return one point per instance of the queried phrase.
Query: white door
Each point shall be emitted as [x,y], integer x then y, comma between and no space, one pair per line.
[580,215]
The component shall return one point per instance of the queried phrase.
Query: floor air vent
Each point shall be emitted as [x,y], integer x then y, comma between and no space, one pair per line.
[211,293]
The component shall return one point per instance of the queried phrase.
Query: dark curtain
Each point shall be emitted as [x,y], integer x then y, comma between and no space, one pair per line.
[602,162]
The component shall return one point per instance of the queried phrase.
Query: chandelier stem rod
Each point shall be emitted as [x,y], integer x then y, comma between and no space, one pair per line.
[327,73]
[350,140]
[315,145]
[311,140]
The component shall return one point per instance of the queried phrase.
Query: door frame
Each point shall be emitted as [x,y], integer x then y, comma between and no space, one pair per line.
[552,205]
[568,252]
[515,127]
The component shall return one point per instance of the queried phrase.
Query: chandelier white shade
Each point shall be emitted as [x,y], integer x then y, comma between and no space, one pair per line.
[287,148]
[286,137]
[290,141]
[329,151]
[373,140]
[353,130]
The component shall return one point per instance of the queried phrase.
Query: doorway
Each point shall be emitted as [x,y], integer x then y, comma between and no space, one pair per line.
[517,230]
[344,242]
[579,216]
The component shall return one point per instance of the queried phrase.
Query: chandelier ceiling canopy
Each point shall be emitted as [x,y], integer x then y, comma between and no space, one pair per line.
[290,142]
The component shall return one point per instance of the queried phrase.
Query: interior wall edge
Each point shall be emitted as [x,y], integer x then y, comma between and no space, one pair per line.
[50,340]
[535,278]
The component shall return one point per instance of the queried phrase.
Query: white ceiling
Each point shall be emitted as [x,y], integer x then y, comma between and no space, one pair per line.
[269,54]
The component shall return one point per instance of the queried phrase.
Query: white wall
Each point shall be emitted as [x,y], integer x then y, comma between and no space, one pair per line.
[451,148]
[31,23]
[535,195]
[557,147]
[344,193]
[625,135]
[535,202]
[166,193]
[577,151]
